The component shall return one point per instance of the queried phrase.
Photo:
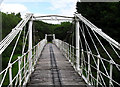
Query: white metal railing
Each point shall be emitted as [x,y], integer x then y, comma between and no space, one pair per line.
[21,65]
[97,54]
[67,50]
[92,77]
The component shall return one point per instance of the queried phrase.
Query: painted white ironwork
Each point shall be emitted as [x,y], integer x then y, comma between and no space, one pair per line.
[23,72]
[91,58]
[25,63]
[8,39]
[77,45]
[30,45]
[97,60]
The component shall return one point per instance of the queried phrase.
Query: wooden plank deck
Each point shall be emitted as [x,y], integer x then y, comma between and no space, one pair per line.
[54,69]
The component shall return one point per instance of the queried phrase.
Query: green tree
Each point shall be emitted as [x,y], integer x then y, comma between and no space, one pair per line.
[104,15]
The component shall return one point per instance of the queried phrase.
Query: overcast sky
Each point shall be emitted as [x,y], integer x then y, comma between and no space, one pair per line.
[39,7]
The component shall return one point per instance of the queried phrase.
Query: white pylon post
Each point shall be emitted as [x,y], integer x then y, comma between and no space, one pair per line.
[111,70]
[30,46]
[77,45]
[45,36]
[10,74]
[98,71]
[53,36]
[88,77]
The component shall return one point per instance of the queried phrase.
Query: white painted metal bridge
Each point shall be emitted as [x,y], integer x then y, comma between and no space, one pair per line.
[95,56]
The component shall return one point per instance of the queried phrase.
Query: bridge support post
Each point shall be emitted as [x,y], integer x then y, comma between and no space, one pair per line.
[36,52]
[98,65]
[68,50]
[10,74]
[45,36]
[34,60]
[111,68]
[19,69]
[30,46]
[77,45]
[70,53]
[82,59]
[88,77]
[53,36]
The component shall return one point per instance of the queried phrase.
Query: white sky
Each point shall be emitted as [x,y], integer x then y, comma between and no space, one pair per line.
[39,7]
[62,7]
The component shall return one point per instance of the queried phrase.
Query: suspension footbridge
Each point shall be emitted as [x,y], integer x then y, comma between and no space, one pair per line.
[87,63]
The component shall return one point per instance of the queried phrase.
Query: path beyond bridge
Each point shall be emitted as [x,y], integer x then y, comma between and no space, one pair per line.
[53,68]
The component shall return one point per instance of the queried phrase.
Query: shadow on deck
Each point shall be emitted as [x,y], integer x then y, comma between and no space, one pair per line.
[53,69]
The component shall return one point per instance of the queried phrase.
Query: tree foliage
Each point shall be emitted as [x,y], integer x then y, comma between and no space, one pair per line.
[104,15]
[60,30]
[107,17]
[9,21]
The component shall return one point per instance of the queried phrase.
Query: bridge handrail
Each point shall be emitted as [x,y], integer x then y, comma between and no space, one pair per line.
[22,66]
[69,53]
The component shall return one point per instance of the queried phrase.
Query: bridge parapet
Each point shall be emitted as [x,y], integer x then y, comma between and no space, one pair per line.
[23,72]
[94,69]
[95,55]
